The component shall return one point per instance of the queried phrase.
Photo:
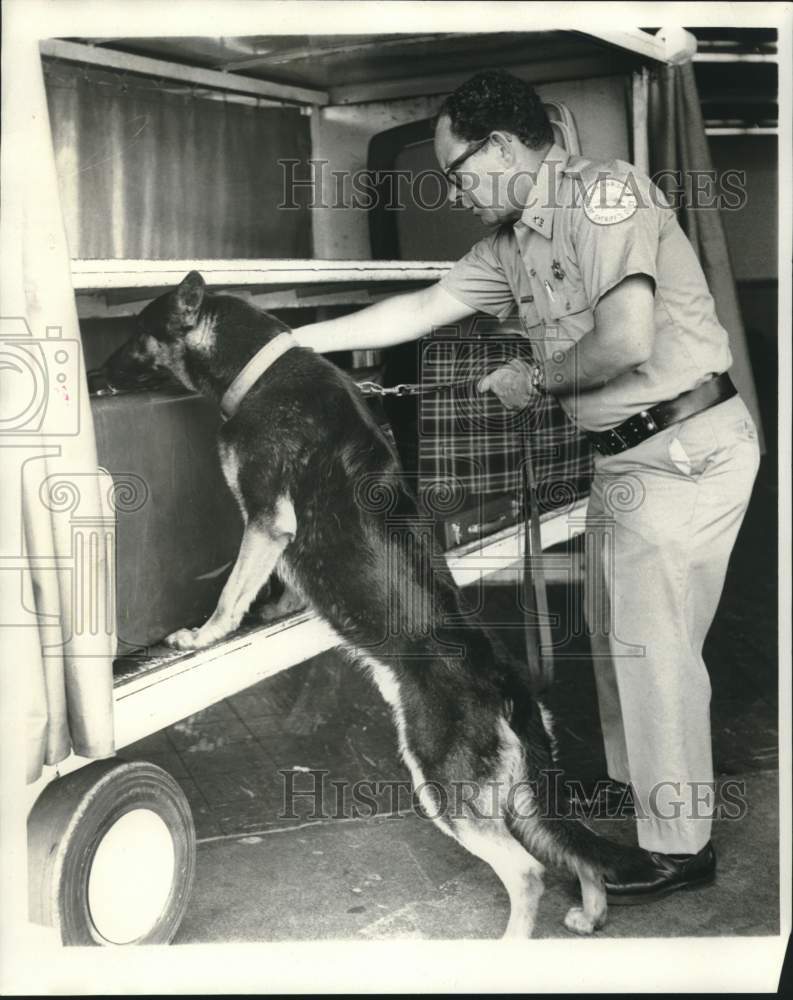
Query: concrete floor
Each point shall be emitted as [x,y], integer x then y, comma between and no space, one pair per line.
[265,877]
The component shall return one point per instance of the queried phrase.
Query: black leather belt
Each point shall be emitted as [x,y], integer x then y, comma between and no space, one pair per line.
[643,425]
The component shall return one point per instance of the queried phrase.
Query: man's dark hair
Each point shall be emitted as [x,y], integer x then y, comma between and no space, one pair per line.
[496,101]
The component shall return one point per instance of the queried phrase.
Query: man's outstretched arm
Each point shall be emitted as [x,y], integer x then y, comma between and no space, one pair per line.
[384,324]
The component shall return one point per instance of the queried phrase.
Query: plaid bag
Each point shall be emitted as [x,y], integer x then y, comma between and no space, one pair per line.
[472,441]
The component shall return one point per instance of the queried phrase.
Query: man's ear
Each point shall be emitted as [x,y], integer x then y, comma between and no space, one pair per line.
[505,142]
[188,298]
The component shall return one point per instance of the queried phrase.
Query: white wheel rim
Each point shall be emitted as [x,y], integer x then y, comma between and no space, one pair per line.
[131,876]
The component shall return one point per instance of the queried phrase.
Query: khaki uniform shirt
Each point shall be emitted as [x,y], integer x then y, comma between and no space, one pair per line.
[587,227]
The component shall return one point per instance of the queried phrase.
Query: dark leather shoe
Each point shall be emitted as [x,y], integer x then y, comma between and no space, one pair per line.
[667,873]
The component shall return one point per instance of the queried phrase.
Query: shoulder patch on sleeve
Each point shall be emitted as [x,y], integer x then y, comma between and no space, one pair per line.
[610,200]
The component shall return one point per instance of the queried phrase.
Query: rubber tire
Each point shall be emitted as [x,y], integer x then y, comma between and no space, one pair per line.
[65,828]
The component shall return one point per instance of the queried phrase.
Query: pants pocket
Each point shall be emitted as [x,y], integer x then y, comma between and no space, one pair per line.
[679,457]
[692,446]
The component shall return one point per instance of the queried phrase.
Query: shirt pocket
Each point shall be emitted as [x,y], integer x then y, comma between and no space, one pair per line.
[569,314]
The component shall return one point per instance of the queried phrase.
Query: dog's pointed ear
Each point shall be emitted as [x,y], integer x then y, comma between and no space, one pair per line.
[188,298]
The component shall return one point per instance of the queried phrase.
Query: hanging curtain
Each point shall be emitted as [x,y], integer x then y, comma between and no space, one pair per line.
[679,154]
[57,508]
[149,170]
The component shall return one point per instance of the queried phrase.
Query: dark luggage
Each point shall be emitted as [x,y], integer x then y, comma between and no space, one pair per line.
[178,527]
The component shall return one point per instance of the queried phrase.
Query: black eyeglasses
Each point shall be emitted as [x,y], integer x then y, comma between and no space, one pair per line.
[456,164]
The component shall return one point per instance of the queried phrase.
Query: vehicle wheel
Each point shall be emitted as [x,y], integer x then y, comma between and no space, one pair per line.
[111,855]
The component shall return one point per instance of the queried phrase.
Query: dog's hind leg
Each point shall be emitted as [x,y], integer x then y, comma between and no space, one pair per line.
[262,544]
[592,913]
[521,874]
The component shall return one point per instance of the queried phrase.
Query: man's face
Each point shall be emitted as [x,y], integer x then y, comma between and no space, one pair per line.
[481,181]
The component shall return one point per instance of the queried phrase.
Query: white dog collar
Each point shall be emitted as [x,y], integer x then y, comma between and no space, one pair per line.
[256,367]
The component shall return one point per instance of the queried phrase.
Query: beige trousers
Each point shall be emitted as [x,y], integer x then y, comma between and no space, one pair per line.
[661,523]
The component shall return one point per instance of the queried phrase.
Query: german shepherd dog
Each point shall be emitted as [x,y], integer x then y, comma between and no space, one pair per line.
[318,485]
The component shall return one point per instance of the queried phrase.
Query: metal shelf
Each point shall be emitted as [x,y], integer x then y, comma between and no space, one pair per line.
[741,130]
[354,71]
[736,57]
[101,275]
[108,288]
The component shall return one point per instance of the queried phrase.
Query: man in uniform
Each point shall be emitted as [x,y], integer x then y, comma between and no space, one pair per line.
[622,329]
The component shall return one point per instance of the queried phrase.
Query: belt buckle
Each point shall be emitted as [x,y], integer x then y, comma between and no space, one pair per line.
[649,422]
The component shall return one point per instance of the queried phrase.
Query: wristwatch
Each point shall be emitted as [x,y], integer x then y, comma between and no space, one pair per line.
[538,378]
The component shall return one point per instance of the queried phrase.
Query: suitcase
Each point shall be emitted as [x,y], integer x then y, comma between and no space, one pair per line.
[178,527]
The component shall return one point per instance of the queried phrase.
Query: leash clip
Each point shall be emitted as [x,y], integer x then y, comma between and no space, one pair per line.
[371,388]
[405,389]
[375,389]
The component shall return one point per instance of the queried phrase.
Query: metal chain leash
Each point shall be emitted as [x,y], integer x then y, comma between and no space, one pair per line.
[368,388]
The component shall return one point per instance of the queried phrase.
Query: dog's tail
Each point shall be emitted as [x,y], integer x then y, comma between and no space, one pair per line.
[554,836]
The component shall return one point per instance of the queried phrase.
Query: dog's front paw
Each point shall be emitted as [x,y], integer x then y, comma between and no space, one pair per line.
[185,638]
[576,920]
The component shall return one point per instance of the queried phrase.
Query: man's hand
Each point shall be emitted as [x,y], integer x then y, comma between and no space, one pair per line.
[511,383]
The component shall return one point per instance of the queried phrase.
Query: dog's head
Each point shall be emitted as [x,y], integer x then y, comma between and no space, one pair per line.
[168,330]
[201,338]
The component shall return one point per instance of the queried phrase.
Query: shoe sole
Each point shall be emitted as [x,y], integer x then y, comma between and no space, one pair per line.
[649,897]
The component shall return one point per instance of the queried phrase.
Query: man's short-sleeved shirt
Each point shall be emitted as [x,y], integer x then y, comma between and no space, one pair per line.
[587,227]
